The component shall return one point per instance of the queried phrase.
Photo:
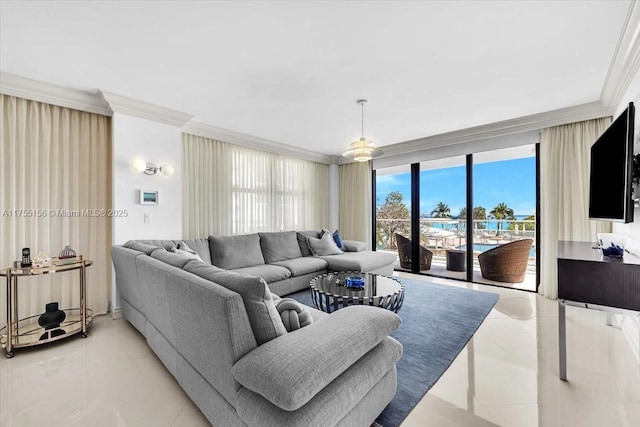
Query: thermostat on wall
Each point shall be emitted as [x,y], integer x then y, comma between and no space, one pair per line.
[148,197]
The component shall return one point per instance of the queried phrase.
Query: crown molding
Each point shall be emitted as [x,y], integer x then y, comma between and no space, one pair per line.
[625,63]
[35,90]
[133,107]
[507,127]
[249,141]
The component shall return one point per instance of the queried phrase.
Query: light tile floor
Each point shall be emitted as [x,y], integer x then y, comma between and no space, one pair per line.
[506,376]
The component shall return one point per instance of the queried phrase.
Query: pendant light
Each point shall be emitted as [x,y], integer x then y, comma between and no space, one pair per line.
[362,150]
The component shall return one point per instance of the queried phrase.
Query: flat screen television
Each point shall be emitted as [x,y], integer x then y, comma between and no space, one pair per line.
[611,186]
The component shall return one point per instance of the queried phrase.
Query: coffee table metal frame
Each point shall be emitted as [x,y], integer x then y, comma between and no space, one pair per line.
[329,302]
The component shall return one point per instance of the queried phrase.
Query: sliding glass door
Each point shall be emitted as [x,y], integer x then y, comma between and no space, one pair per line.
[442,215]
[472,218]
[504,194]
[393,213]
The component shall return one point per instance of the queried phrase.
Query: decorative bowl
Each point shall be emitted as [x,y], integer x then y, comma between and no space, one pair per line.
[354,282]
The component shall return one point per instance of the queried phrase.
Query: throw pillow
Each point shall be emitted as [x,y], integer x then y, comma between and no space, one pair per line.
[186,253]
[170,258]
[325,245]
[293,314]
[183,246]
[338,239]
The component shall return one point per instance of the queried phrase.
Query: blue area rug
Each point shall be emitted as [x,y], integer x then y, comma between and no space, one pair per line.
[437,322]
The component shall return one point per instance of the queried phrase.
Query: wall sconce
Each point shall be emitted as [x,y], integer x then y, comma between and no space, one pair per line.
[139,165]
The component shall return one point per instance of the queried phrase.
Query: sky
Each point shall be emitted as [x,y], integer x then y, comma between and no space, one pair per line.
[510,181]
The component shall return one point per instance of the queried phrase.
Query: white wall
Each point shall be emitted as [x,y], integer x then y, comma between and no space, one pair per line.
[631,325]
[156,143]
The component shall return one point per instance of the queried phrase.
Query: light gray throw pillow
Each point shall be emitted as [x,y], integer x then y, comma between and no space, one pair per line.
[185,251]
[293,314]
[186,254]
[325,245]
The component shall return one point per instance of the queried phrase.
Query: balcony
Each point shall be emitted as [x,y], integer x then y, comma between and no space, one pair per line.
[438,235]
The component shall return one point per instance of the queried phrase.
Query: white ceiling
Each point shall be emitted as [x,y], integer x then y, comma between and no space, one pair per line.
[291,72]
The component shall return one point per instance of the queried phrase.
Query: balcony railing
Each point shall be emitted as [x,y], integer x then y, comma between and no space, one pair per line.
[442,234]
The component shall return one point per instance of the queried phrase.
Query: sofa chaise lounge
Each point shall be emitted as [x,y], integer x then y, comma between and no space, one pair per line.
[219,333]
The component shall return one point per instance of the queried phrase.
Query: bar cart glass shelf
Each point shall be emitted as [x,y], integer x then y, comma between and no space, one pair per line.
[26,332]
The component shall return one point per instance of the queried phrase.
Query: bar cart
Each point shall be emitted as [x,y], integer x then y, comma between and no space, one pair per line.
[26,332]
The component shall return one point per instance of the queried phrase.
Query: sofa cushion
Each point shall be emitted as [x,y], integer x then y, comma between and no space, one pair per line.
[231,252]
[141,247]
[302,240]
[200,246]
[279,246]
[354,246]
[359,261]
[301,364]
[263,316]
[170,258]
[304,265]
[325,245]
[270,273]
[358,385]
[161,243]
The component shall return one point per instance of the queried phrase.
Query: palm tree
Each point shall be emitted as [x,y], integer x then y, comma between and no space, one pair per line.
[501,212]
[441,211]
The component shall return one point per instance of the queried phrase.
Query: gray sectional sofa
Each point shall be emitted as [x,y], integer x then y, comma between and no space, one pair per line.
[283,259]
[215,324]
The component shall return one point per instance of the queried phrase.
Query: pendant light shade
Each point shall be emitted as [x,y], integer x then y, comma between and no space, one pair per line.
[362,150]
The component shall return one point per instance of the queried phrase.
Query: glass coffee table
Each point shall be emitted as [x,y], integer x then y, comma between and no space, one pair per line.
[330,292]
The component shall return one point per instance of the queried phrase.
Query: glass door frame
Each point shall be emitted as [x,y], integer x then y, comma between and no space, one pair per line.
[415,218]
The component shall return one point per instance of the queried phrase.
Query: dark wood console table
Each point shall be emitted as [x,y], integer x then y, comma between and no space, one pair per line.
[587,279]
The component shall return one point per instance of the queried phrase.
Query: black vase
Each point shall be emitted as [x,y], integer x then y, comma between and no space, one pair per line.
[51,319]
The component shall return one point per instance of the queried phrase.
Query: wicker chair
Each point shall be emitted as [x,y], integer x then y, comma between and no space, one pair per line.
[506,263]
[404,253]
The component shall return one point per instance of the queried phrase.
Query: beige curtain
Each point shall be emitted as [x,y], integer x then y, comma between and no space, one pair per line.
[565,156]
[355,201]
[55,178]
[229,189]
[206,187]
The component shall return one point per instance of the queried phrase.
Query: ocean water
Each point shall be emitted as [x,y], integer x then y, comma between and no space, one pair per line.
[489,225]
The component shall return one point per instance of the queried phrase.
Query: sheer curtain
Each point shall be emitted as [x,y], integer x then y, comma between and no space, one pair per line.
[565,156]
[206,187]
[355,201]
[54,163]
[229,189]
